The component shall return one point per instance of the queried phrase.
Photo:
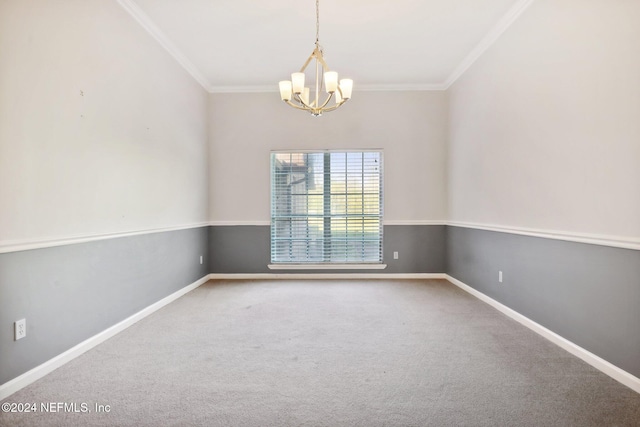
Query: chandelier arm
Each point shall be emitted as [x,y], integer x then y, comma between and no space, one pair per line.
[317,54]
[313,55]
[317,100]
[296,100]
[326,101]
[297,106]
[304,104]
[320,59]
[334,107]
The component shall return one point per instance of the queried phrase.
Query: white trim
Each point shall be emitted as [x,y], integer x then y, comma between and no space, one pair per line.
[317,276]
[14,385]
[597,362]
[327,266]
[143,19]
[234,223]
[28,244]
[385,222]
[361,88]
[488,40]
[594,239]
[414,222]
[40,371]
[328,150]
[402,87]
[245,89]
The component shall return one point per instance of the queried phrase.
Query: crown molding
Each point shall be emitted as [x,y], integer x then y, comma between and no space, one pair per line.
[361,88]
[244,89]
[401,87]
[143,19]
[488,41]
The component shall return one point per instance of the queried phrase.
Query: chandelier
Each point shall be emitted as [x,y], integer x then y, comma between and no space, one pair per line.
[294,92]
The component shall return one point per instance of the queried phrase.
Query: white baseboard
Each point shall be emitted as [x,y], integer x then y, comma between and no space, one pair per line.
[602,365]
[40,371]
[314,276]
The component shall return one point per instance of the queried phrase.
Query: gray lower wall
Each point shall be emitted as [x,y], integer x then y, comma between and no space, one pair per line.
[246,249]
[588,294]
[70,293]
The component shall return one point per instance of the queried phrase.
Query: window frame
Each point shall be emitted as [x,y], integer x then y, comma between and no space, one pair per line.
[326,195]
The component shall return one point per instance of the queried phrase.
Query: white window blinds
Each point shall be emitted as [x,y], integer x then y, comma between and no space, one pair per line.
[326,207]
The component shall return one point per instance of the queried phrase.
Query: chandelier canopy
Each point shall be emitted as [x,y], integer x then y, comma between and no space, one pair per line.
[294,92]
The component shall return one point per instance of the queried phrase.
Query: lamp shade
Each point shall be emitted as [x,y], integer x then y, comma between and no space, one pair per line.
[297,80]
[346,86]
[305,95]
[295,94]
[285,90]
[331,81]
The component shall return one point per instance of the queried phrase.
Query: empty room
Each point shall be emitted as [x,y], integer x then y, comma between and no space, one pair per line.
[320,213]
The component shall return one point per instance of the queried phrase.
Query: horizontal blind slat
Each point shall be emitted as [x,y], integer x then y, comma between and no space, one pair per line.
[326,207]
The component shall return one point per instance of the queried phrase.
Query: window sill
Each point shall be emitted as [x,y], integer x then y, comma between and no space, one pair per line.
[327,266]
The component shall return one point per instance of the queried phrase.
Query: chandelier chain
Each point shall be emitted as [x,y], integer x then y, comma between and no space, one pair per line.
[317,22]
[297,95]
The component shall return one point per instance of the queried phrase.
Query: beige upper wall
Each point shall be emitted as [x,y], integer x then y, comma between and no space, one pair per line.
[545,126]
[409,126]
[544,129]
[101,131]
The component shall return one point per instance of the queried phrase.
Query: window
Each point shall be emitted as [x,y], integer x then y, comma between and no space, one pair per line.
[326,207]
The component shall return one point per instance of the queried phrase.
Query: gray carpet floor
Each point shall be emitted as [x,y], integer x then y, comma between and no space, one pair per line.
[329,353]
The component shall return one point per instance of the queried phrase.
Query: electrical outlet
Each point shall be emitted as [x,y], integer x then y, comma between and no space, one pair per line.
[20,328]
[201,259]
[500,276]
[395,255]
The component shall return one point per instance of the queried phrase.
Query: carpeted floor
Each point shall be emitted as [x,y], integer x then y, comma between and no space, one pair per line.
[329,353]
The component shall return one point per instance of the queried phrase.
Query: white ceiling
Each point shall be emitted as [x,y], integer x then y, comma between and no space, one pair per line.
[249,45]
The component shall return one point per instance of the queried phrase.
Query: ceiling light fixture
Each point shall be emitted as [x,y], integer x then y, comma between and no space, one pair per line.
[294,92]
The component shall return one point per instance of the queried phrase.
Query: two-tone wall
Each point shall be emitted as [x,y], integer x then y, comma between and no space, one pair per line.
[541,158]
[544,144]
[103,139]
[245,249]
[105,142]
[409,127]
